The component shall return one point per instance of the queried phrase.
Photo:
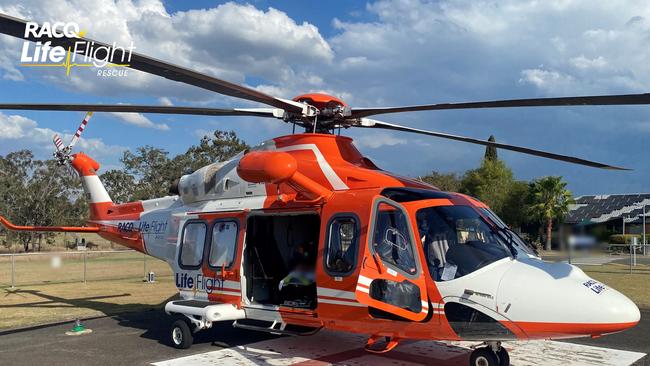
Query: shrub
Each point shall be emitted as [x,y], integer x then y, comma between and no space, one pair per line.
[624,239]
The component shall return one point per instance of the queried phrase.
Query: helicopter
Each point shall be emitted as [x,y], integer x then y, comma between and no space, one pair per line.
[303,232]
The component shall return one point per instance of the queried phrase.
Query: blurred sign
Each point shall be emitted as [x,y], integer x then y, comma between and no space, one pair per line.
[582,241]
[56,262]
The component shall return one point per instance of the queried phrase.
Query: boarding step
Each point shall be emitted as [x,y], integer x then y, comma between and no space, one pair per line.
[275,327]
[210,311]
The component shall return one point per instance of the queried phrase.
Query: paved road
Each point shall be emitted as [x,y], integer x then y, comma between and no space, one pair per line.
[134,339]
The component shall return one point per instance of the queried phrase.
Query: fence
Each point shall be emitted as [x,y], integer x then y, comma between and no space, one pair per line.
[614,258]
[26,269]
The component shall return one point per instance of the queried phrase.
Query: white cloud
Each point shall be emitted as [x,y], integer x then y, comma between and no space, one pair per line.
[551,81]
[21,132]
[137,119]
[10,71]
[14,127]
[482,47]
[165,101]
[584,63]
[376,140]
[230,41]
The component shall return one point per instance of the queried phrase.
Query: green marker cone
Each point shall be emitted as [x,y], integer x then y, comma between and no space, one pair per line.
[78,327]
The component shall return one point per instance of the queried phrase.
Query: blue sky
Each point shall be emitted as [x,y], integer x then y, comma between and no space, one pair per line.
[377,53]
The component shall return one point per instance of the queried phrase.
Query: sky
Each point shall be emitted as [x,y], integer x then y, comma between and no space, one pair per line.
[377,53]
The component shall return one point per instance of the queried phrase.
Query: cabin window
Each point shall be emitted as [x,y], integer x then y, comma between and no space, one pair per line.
[192,244]
[392,238]
[342,245]
[224,243]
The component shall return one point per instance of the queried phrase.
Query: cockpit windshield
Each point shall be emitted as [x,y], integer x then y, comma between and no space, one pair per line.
[509,235]
[458,241]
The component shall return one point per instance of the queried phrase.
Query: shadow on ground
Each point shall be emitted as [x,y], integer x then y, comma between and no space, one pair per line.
[155,323]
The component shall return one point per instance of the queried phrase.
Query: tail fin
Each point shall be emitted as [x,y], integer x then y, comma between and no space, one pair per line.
[98,197]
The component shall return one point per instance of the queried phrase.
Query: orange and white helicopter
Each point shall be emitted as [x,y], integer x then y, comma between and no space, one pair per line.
[303,233]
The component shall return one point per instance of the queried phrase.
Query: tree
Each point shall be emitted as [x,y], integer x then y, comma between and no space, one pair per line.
[515,209]
[119,184]
[222,146]
[150,167]
[36,192]
[445,181]
[490,183]
[491,151]
[551,200]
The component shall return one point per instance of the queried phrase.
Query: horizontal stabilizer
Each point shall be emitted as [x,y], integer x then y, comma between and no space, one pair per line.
[64,229]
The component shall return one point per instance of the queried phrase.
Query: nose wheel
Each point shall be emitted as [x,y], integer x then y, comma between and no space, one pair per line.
[490,355]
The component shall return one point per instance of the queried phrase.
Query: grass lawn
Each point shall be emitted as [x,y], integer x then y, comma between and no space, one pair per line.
[114,284]
[38,304]
[38,269]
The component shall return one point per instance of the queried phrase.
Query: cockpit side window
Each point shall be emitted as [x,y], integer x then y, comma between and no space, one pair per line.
[392,238]
[457,241]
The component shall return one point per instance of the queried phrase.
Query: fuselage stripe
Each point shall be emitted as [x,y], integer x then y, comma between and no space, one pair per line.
[338,302]
[334,180]
[324,291]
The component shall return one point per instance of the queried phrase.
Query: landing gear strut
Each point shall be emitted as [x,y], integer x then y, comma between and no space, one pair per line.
[492,354]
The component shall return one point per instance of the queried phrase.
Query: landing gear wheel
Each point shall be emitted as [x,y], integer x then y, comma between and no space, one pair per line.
[484,357]
[181,334]
[504,358]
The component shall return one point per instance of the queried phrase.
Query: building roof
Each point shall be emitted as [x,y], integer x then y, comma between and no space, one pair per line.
[609,207]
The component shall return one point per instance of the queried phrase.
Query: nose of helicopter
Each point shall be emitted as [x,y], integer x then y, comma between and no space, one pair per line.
[558,300]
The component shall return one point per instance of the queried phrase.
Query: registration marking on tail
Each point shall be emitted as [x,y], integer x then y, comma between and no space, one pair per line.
[329,348]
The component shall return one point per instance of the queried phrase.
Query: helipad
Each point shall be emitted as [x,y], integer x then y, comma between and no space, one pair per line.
[328,348]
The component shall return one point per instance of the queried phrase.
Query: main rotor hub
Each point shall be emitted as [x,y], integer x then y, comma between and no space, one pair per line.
[332,111]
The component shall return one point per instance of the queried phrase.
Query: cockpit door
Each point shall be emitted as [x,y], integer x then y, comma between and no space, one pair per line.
[391,278]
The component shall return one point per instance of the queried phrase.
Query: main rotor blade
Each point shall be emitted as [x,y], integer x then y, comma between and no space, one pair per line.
[16,27]
[371,123]
[126,108]
[622,99]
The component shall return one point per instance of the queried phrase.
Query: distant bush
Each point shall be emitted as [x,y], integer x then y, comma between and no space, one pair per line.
[624,239]
[602,234]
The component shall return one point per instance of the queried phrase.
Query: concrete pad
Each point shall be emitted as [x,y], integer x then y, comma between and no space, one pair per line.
[330,348]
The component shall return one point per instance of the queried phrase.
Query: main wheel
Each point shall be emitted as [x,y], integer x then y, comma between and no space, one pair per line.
[483,357]
[504,358]
[181,335]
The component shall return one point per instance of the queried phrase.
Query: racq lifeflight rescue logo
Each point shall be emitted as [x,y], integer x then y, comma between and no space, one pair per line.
[81,53]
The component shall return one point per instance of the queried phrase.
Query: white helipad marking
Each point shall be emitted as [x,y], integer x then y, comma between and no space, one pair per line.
[330,348]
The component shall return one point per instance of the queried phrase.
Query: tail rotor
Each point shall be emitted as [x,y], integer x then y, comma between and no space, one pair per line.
[63,154]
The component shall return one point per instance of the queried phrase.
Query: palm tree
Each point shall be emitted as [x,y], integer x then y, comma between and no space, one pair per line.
[551,201]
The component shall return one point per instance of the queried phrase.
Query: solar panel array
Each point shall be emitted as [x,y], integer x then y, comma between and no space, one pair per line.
[603,208]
